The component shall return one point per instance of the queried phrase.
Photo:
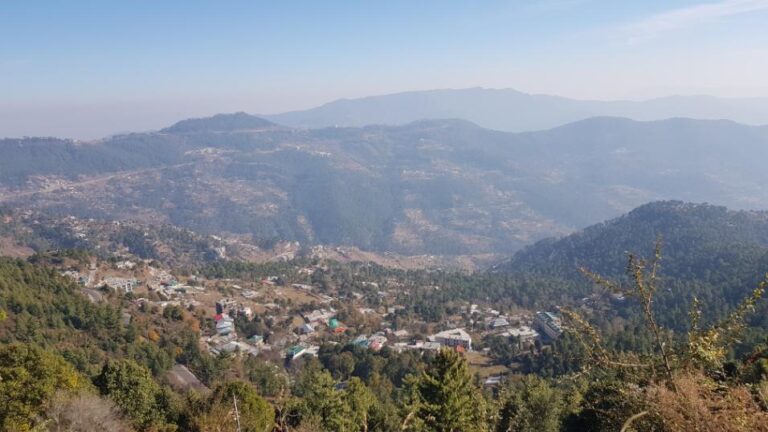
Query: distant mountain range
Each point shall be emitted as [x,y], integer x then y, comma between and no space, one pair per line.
[434,186]
[513,111]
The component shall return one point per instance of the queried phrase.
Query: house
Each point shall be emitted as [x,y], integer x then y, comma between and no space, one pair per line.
[235,347]
[429,346]
[121,284]
[249,294]
[524,334]
[453,338]
[295,351]
[401,334]
[498,323]
[321,315]
[492,381]
[225,326]
[361,340]
[336,326]
[245,311]
[548,323]
[306,329]
[125,265]
[222,305]
[377,342]
[71,274]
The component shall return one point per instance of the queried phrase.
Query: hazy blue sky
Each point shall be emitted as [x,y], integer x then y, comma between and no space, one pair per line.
[65,65]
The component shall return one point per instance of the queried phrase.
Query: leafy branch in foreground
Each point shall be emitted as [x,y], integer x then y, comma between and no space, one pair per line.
[680,390]
[705,348]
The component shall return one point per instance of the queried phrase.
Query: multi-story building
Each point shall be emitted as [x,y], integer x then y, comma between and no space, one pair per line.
[453,338]
[548,323]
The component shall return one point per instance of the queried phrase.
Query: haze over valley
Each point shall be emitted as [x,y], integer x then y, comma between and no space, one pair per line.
[440,187]
[400,216]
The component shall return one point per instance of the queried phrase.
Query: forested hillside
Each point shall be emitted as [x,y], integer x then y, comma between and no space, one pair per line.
[698,240]
[69,364]
[437,187]
[708,252]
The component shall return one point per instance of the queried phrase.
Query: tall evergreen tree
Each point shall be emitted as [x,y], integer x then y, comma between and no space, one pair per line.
[533,407]
[445,399]
[134,391]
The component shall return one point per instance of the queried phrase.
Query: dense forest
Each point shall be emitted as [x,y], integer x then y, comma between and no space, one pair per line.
[709,253]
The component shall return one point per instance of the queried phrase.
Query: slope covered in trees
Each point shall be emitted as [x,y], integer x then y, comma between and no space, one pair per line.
[709,253]
[698,240]
[437,187]
[61,354]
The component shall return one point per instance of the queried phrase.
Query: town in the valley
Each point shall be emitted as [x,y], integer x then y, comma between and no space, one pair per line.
[296,315]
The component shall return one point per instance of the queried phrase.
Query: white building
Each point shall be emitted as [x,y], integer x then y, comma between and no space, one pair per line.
[548,323]
[306,329]
[225,326]
[453,338]
[498,323]
[121,284]
[319,316]
[524,334]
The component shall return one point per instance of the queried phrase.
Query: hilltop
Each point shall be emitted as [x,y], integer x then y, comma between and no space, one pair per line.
[708,252]
[697,239]
[220,123]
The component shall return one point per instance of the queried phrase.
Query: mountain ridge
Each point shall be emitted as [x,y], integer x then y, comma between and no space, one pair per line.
[687,232]
[446,187]
[219,122]
[515,111]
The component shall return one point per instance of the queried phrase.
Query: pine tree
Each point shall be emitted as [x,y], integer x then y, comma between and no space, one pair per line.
[133,390]
[254,413]
[533,407]
[444,398]
[29,377]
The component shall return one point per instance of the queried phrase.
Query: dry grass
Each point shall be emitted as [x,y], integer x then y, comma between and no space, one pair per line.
[701,405]
[483,366]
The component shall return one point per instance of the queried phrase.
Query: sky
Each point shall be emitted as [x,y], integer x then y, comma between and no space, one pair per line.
[86,69]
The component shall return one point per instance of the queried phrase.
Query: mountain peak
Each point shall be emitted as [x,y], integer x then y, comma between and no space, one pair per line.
[220,123]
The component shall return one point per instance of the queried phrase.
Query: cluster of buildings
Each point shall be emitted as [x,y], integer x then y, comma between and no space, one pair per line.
[292,329]
[119,284]
[524,328]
